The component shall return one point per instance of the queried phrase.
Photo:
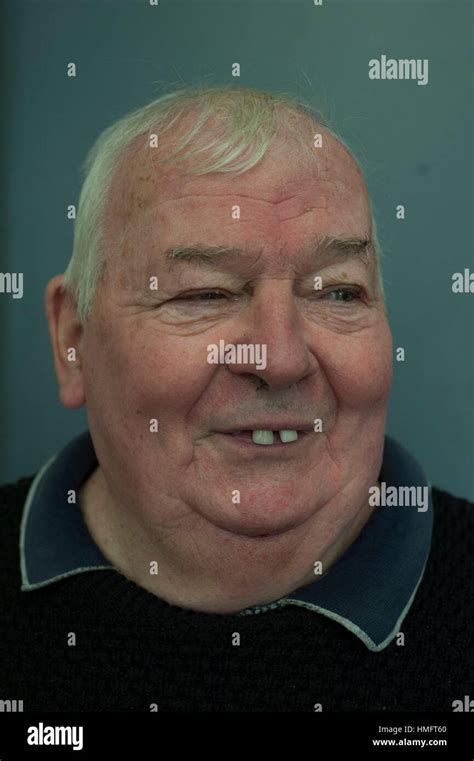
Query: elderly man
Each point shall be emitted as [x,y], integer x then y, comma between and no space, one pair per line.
[235,531]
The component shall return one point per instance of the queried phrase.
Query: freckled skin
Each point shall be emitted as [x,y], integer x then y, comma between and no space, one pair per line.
[168,496]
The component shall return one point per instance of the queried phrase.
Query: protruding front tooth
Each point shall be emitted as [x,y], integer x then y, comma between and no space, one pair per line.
[286,436]
[262,437]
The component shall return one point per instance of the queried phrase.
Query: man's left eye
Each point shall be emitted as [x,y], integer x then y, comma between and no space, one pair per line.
[345,294]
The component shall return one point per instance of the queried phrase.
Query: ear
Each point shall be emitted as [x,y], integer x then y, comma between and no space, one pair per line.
[66,333]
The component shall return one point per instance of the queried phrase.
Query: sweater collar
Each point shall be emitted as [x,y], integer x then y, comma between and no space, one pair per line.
[369,590]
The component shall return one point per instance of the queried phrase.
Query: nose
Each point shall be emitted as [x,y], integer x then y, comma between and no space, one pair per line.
[274,323]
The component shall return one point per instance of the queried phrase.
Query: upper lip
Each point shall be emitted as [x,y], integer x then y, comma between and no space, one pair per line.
[269,426]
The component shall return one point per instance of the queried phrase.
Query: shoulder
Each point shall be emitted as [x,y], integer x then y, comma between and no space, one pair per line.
[13,496]
[453,536]
[451,509]
[12,501]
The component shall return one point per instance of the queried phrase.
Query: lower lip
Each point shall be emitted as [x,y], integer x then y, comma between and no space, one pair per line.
[244,439]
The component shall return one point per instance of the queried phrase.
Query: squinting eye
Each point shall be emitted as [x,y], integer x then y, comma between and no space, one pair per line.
[203,296]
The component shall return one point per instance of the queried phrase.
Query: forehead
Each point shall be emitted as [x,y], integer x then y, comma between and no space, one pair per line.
[148,198]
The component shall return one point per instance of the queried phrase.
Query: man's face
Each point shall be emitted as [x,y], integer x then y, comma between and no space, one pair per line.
[328,350]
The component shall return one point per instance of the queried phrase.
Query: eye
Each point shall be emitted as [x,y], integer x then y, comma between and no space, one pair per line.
[201,296]
[344,294]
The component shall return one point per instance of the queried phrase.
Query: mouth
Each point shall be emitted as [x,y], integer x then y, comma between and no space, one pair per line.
[266,437]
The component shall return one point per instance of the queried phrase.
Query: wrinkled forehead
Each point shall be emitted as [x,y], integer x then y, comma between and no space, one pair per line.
[144,181]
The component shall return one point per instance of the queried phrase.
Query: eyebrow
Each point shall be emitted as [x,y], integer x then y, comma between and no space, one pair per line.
[362,249]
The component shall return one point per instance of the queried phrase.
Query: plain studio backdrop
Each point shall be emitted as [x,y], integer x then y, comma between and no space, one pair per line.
[414,143]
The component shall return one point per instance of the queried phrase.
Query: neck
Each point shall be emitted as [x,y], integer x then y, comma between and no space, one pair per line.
[202,567]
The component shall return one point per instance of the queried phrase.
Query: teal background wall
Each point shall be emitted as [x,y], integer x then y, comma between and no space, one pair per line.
[414,142]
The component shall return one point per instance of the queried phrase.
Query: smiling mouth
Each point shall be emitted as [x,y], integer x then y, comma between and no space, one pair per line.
[266,438]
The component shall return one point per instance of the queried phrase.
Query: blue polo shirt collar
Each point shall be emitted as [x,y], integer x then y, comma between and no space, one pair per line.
[369,590]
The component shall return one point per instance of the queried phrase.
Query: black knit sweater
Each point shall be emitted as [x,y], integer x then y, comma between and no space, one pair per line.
[134,650]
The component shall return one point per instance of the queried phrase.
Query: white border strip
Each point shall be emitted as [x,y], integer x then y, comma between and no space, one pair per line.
[25,585]
[24,520]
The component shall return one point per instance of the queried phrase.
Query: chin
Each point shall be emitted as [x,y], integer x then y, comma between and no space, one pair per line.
[261,517]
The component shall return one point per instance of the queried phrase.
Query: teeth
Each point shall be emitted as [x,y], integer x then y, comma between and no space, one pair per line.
[266,437]
[262,437]
[286,436]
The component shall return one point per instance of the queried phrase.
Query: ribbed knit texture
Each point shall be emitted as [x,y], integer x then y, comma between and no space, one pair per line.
[134,650]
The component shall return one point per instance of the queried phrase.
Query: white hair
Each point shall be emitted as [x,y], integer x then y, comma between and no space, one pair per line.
[251,119]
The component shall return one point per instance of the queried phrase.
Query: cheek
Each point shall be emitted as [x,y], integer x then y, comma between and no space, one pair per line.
[146,371]
[359,369]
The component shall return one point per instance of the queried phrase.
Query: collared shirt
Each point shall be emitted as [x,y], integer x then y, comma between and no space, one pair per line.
[368,590]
